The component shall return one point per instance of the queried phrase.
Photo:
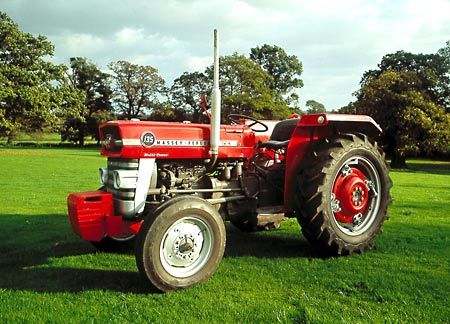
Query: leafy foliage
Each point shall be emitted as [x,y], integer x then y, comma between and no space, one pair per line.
[32,89]
[95,86]
[433,71]
[137,88]
[347,109]
[262,86]
[409,95]
[411,120]
[245,88]
[315,107]
[187,91]
[284,69]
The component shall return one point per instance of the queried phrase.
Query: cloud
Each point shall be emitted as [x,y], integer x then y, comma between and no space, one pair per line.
[80,44]
[197,63]
[336,40]
[129,36]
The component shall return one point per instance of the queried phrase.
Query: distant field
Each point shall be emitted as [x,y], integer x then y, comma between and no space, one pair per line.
[40,138]
[47,274]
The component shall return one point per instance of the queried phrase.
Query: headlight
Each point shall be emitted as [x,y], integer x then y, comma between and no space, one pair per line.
[125,179]
[111,142]
[103,175]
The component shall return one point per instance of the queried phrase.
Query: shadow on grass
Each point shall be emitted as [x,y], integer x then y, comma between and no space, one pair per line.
[61,279]
[40,254]
[31,239]
[32,243]
[440,168]
[268,244]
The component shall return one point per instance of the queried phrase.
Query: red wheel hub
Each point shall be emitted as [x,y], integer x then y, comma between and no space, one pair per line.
[351,190]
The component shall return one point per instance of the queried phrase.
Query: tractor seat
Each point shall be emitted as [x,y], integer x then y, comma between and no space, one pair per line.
[274,145]
[281,135]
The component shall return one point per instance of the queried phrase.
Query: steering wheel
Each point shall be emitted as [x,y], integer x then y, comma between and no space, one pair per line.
[236,119]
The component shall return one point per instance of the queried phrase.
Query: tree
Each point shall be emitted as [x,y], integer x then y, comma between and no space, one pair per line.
[433,70]
[246,89]
[284,69]
[186,93]
[315,107]
[411,120]
[164,111]
[444,54]
[95,86]
[137,88]
[32,89]
[347,109]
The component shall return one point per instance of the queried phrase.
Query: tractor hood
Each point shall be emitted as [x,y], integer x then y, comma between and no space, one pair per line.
[164,140]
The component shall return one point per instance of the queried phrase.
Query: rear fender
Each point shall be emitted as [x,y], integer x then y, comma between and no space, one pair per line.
[311,128]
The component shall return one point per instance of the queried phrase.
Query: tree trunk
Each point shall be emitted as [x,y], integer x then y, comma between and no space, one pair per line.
[196,116]
[10,136]
[398,160]
[81,136]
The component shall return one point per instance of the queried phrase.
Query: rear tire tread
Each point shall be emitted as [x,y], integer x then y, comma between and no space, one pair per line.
[311,183]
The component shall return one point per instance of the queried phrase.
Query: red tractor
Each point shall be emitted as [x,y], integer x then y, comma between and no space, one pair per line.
[169,187]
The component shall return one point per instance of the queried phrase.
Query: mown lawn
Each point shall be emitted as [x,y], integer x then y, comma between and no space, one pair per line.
[40,138]
[47,274]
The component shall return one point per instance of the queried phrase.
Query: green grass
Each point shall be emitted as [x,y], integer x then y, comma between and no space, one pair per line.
[40,138]
[47,274]
[37,137]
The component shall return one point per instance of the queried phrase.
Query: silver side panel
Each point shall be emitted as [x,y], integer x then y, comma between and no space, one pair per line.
[145,174]
[129,202]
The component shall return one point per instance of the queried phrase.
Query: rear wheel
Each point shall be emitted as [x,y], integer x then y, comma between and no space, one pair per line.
[343,194]
[181,244]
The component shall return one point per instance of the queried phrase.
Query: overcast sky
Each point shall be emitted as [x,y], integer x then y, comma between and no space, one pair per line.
[335,40]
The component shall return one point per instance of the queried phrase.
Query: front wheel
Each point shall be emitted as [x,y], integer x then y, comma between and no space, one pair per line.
[344,194]
[181,244]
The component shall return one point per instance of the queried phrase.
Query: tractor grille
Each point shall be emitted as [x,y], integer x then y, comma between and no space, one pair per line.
[121,164]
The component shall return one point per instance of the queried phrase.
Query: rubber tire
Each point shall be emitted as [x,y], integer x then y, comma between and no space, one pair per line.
[314,185]
[109,244]
[152,232]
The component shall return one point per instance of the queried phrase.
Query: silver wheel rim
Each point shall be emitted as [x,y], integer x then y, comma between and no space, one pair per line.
[186,246]
[369,215]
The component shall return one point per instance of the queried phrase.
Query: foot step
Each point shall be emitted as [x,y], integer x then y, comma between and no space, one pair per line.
[270,217]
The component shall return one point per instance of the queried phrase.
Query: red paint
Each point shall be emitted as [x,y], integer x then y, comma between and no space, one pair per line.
[308,130]
[131,227]
[352,193]
[297,150]
[242,135]
[92,216]
[92,213]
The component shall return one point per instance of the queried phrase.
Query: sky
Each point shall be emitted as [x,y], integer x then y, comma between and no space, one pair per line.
[336,41]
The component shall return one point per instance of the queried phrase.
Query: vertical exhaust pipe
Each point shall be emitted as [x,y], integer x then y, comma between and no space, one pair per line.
[215,103]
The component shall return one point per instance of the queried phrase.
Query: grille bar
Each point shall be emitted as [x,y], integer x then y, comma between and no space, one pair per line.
[121,164]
